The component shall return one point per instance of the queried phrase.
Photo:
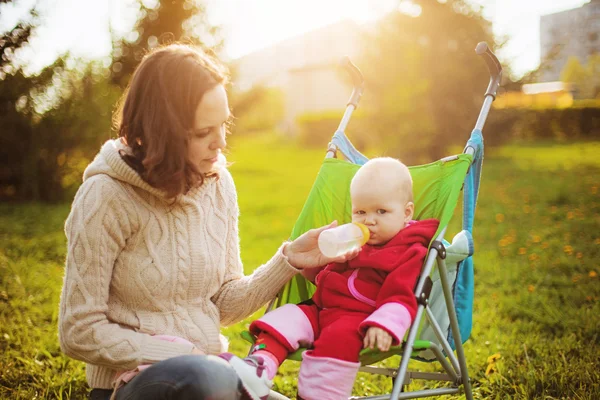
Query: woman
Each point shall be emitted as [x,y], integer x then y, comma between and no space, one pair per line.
[153,245]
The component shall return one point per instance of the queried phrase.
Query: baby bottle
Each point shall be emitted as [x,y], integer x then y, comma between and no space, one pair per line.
[342,239]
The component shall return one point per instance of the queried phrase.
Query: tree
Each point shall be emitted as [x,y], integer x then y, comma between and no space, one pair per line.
[53,122]
[15,121]
[585,77]
[593,67]
[424,82]
[48,121]
[12,41]
[163,22]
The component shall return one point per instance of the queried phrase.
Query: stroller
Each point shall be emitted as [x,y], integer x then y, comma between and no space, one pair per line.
[444,294]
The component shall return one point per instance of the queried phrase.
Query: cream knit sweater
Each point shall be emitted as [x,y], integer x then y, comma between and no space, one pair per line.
[139,266]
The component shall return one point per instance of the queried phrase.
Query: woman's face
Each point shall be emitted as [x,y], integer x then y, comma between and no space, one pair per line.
[208,136]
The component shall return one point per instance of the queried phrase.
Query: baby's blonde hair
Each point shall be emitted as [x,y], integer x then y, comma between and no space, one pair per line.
[387,168]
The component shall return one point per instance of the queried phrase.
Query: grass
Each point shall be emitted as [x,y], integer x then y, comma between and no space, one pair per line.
[536,327]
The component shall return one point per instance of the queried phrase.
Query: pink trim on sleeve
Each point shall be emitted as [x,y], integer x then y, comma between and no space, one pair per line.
[393,317]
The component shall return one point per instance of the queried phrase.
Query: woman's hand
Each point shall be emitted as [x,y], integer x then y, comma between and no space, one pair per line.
[304,251]
[377,337]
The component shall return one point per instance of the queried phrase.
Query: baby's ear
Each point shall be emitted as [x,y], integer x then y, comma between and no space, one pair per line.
[409,211]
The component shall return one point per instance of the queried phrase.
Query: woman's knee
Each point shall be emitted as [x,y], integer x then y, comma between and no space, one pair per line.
[208,377]
[202,377]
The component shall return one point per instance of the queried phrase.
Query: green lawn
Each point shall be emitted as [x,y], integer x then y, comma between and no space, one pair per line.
[537,303]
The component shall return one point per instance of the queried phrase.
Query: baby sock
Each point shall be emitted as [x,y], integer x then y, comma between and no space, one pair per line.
[270,362]
[272,351]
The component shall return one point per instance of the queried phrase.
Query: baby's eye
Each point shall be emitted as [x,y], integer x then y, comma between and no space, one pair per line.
[359,212]
[381,211]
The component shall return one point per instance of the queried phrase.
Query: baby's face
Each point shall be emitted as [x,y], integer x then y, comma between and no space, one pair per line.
[380,207]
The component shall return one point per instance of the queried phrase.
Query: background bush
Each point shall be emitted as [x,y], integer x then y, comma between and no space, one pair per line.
[504,125]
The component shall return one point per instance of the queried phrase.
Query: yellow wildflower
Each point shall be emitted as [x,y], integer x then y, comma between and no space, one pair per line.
[592,274]
[499,218]
[493,358]
[522,251]
[568,249]
[530,288]
[491,368]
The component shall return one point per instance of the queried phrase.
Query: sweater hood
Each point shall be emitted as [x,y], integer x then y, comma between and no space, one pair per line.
[109,162]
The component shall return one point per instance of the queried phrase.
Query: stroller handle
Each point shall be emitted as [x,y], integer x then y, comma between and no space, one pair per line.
[357,81]
[493,65]
[495,69]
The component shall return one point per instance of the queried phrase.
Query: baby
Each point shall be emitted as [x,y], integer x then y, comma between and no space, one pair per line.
[365,302]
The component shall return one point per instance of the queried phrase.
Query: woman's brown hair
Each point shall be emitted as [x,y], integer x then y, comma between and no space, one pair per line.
[155,116]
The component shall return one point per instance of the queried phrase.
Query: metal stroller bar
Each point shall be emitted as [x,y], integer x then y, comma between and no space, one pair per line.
[408,349]
[358,81]
[357,91]
[495,69]
[445,345]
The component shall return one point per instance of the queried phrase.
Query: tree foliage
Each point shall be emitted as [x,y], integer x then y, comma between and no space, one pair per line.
[53,122]
[162,22]
[424,82]
[586,77]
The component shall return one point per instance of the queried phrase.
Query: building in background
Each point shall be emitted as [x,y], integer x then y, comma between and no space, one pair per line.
[306,69]
[568,33]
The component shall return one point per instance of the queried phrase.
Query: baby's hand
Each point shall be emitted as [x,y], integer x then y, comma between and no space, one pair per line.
[379,337]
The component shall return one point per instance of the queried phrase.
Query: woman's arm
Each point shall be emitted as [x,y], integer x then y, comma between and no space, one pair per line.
[97,229]
[241,295]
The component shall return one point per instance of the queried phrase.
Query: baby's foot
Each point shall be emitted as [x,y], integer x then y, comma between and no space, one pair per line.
[251,371]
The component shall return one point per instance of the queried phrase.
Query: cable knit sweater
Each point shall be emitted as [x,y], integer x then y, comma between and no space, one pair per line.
[139,265]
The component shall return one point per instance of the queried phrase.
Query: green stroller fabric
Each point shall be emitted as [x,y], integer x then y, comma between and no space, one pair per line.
[436,189]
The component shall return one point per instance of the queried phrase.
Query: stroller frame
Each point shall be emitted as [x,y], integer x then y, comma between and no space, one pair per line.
[455,366]
[456,369]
